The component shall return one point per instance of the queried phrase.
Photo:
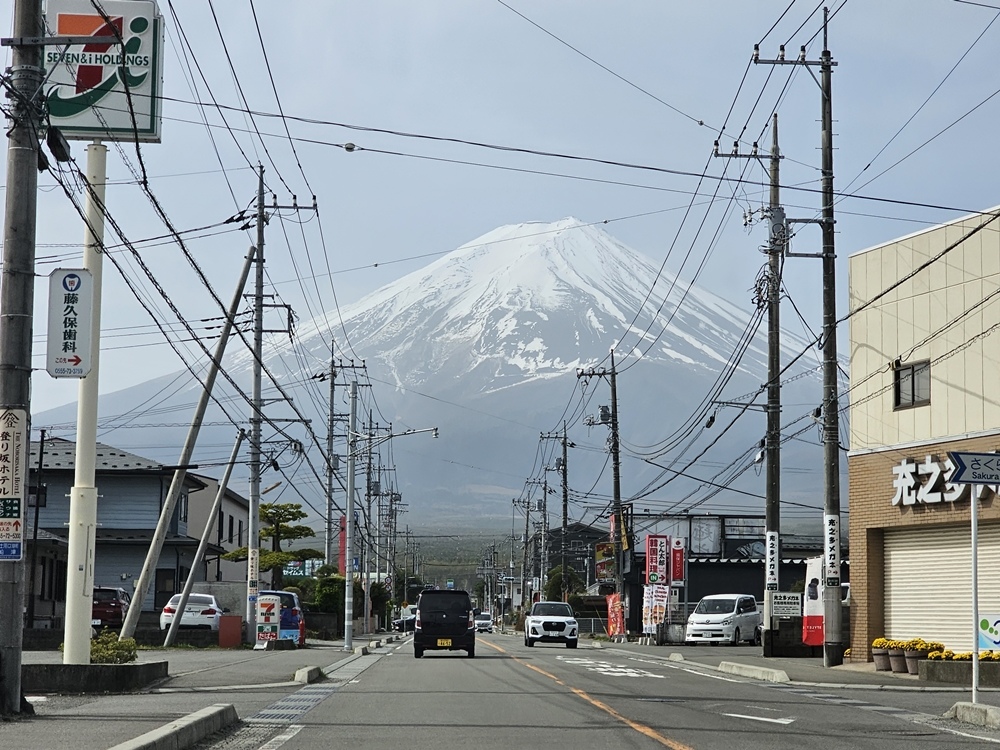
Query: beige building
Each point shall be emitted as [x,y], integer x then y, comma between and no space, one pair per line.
[925,380]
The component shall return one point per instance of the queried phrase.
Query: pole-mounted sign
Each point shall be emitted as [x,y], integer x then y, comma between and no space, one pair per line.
[71,307]
[13,478]
[101,90]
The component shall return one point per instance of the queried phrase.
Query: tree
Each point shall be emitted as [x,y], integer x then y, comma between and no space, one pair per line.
[278,519]
[553,587]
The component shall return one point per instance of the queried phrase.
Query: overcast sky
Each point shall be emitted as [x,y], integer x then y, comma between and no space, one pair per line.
[646,85]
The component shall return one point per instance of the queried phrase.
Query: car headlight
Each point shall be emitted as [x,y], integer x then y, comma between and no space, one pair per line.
[727,621]
[571,623]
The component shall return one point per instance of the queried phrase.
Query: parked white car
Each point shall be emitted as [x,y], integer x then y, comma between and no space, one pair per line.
[202,611]
[551,622]
[724,618]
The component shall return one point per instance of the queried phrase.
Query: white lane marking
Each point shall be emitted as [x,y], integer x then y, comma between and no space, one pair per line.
[608,669]
[761,718]
[276,742]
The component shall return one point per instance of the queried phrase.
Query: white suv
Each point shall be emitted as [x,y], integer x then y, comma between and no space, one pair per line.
[551,622]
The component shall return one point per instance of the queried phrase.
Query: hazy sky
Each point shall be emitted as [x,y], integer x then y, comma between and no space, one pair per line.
[647,85]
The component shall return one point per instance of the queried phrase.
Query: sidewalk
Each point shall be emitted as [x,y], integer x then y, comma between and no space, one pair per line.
[206,690]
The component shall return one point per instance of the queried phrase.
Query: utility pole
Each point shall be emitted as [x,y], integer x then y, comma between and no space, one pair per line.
[39,497]
[565,514]
[833,648]
[16,303]
[610,417]
[328,551]
[770,296]
[349,541]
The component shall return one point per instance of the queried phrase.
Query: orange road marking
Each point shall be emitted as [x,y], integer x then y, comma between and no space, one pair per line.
[640,728]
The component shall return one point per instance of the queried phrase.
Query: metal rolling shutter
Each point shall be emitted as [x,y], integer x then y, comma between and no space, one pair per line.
[928,583]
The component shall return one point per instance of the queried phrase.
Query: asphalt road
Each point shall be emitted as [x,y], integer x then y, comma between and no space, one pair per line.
[610,697]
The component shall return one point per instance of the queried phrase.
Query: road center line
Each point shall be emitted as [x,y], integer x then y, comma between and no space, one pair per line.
[640,728]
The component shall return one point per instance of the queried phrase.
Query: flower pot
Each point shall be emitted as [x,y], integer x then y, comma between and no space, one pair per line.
[881,658]
[913,659]
[897,660]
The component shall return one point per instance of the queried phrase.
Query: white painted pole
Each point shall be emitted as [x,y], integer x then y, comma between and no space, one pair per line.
[974,496]
[83,494]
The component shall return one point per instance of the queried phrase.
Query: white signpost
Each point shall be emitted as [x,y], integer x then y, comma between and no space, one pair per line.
[13,477]
[975,468]
[71,309]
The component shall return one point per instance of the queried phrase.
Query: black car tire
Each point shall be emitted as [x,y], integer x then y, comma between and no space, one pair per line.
[472,652]
[528,642]
[417,652]
[570,644]
[736,637]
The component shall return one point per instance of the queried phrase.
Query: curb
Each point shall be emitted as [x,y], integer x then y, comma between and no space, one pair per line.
[186,731]
[308,674]
[975,713]
[757,673]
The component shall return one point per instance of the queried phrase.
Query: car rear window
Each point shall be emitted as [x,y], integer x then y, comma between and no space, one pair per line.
[197,599]
[105,595]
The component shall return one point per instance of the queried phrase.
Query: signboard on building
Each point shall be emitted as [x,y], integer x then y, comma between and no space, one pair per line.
[604,561]
[103,90]
[785,603]
[13,478]
[657,561]
[678,553]
[71,306]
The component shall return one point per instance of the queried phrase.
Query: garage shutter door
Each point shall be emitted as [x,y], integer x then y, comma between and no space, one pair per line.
[928,583]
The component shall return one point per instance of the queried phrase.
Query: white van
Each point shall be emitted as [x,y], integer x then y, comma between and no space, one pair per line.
[724,618]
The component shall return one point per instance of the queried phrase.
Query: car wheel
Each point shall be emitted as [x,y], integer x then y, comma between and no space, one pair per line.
[570,644]
[417,652]
[736,637]
[472,652]
[756,636]
[528,642]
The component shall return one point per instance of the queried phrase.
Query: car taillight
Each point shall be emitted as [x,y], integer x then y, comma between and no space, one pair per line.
[168,610]
[472,620]
[208,611]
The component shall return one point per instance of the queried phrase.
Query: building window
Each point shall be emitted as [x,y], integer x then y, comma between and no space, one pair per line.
[221,522]
[912,385]
[183,505]
[230,529]
[239,539]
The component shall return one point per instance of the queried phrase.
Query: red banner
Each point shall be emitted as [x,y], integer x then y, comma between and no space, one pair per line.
[616,615]
[678,551]
[657,565]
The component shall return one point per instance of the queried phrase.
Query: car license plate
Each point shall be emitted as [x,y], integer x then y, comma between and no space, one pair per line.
[95,622]
[444,642]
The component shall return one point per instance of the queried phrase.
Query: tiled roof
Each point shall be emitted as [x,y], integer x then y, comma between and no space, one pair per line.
[60,455]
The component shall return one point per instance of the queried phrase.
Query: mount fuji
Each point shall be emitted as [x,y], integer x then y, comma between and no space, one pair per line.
[487,344]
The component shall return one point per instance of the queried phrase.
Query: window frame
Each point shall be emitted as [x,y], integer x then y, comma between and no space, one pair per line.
[911,371]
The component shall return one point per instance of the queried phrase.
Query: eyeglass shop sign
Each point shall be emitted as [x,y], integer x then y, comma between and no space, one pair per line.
[101,90]
[13,478]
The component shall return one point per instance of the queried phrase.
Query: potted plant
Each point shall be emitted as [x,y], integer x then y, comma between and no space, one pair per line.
[880,654]
[897,656]
[917,649]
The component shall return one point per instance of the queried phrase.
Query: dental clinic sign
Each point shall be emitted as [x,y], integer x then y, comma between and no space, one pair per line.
[102,90]
[932,481]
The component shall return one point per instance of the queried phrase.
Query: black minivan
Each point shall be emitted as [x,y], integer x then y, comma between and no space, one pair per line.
[445,621]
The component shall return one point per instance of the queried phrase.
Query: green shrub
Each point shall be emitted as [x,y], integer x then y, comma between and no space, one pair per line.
[107,649]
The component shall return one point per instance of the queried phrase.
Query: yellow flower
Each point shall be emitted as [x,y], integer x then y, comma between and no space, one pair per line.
[880,643]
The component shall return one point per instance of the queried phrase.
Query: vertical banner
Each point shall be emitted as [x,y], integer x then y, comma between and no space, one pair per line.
[654,606]
[773,557]
[657,563]
[678,550]
[812,609]
[616,615]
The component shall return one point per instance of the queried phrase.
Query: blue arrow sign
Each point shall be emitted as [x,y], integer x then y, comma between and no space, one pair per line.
[975,468]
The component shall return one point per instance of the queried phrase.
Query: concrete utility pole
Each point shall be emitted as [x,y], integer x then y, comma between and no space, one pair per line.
[611,417]
[16,300]
[187,451]
[329,556]
[565,514]
[833,648]
[349,540]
